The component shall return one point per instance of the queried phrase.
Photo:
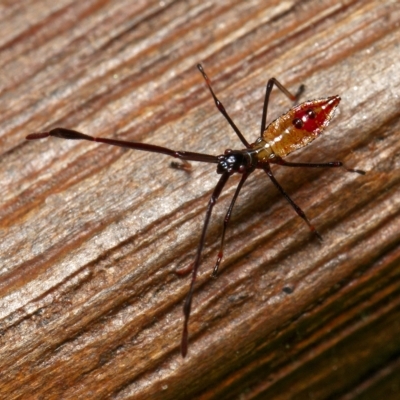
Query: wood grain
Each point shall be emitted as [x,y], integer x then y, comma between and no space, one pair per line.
[91,235]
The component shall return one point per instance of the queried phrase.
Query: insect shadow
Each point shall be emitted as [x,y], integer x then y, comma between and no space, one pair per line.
[297,128]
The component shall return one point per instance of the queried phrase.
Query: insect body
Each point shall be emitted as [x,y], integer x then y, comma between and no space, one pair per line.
[292,131]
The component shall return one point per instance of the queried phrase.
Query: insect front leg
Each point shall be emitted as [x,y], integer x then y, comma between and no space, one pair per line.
[226,222]
[188,301]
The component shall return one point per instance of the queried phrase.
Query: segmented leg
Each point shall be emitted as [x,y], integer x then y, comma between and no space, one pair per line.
[286,92]
[332,164]
[221,108]
[188,301]
[226,222]
[296,208]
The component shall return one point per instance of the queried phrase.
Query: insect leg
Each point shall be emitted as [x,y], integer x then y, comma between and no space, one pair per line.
[226,222]
[296,208]
[286,92]
[221,108]
[332,164]
[188,301]
[74,135]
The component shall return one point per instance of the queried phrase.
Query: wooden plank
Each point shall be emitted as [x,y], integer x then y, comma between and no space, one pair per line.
[91,236]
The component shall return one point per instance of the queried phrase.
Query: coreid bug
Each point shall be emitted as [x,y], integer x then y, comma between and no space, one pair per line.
[291,131]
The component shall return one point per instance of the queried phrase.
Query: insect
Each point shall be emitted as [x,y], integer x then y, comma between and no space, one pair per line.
[291,131]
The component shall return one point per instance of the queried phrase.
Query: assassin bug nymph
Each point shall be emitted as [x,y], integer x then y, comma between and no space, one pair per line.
[291,131]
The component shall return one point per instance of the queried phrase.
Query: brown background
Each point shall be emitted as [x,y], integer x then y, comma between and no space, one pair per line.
[91,235]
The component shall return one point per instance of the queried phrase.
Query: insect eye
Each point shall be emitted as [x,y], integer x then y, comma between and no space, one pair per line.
[298,123]
[311,114]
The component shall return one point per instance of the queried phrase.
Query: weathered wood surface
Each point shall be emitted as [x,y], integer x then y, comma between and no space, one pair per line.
[91,236]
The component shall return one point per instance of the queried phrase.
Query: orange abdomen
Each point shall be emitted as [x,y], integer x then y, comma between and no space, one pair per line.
[295,129]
